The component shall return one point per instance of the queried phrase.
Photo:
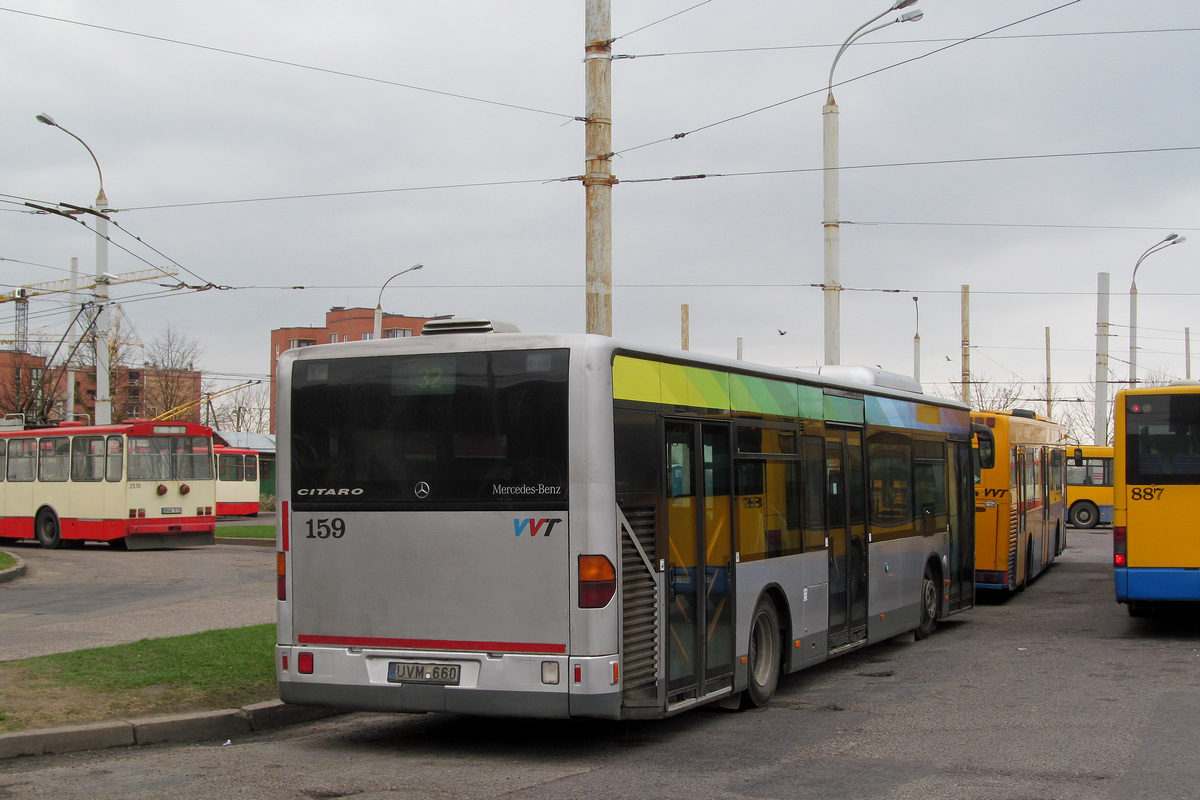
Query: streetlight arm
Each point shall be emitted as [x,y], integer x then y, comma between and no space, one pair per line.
[379,302]
[101,199]
[864,29]
[1174,238]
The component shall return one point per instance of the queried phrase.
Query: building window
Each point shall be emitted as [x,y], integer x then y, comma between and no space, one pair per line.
[397,333]
[333,338]
[366,337]
[294,343]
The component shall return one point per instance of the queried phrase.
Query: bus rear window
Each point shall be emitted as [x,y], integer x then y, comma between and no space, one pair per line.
[481,428]
[1162,439]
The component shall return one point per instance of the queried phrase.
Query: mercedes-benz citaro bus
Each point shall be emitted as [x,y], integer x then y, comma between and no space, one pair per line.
[565,525]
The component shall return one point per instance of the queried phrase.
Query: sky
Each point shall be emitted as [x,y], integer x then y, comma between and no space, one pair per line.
[295,156]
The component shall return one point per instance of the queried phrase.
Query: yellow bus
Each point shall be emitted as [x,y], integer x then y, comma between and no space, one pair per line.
[1156,536]
[1019,499]
[1089,486]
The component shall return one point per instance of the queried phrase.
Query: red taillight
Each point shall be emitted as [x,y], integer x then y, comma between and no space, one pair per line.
[184,489]
[1120,547]
[161,490]
[597,581]
[304,663]
[281,576]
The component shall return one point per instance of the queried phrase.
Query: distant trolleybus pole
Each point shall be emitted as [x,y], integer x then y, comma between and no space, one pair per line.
[103,357]
[829,115]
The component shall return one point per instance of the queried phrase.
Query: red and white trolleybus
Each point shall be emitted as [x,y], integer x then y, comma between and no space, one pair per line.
[138,484]
[237,482]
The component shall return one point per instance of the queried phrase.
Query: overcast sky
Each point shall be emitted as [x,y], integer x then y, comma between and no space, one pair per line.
[265,146]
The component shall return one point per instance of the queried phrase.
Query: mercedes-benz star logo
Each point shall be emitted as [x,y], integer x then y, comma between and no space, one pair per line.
[421,490]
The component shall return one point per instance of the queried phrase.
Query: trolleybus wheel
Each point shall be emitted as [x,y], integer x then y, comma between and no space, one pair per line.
[764,655]
[1084,514]
[45,528]
[929,605]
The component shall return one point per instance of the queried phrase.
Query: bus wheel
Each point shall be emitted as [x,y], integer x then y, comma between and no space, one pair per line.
[765,656]
[929,605]
[46,529]
[1084,514]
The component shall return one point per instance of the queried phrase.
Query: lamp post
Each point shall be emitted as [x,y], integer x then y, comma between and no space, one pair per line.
[829,117]
[100,207]
[1174,238]
[379,302]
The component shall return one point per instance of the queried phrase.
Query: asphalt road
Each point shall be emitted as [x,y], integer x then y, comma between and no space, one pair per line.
[1053,693]
[95,596]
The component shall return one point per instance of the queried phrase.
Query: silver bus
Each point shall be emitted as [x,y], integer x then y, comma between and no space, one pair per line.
[565,525]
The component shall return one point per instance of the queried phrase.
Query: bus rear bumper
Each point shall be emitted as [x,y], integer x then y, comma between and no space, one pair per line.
[508,685]
[1156,583]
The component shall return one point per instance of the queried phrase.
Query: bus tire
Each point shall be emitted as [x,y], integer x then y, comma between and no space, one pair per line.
[1084,514]
[765,655]
[47,531]
[929,604]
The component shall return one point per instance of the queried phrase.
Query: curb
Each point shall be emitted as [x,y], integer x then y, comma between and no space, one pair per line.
[190,727]
[15,571]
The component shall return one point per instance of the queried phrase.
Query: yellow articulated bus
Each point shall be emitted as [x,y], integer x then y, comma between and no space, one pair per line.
[1019,499]
[1156,538]
[1089,486]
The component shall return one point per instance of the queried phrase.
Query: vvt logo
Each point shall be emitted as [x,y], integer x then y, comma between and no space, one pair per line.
[534,526]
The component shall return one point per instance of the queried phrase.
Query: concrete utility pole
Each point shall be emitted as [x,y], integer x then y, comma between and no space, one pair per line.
[966,344]
[1049,383]
[598,178]
[1100,434]
[917,343]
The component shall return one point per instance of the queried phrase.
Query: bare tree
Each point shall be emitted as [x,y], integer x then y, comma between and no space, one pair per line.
[247,410]
[171,376]
[986,395]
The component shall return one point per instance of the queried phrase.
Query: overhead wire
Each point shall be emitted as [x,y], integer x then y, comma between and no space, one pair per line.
[294,64]
[904,62]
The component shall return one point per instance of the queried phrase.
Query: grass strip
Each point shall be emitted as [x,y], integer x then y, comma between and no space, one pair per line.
[245,531]
[7,561]
[201,671]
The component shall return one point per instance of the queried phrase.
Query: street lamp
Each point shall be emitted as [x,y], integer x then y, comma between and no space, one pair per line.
[103,398]
[379,302]
[1174,238]
[917,342]
[832,285]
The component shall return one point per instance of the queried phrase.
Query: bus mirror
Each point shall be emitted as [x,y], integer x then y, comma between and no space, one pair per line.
[1079,456]
[985,446]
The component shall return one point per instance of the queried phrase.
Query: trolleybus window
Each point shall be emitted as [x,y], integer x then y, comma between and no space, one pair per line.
[454,427]
[1162,439]
[163,458]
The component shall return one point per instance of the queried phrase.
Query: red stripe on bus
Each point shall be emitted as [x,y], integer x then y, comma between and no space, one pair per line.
[284,528]
[434,644]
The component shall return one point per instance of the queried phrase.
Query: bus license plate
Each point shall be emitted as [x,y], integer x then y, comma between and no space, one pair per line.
[173,510]
[441,674]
